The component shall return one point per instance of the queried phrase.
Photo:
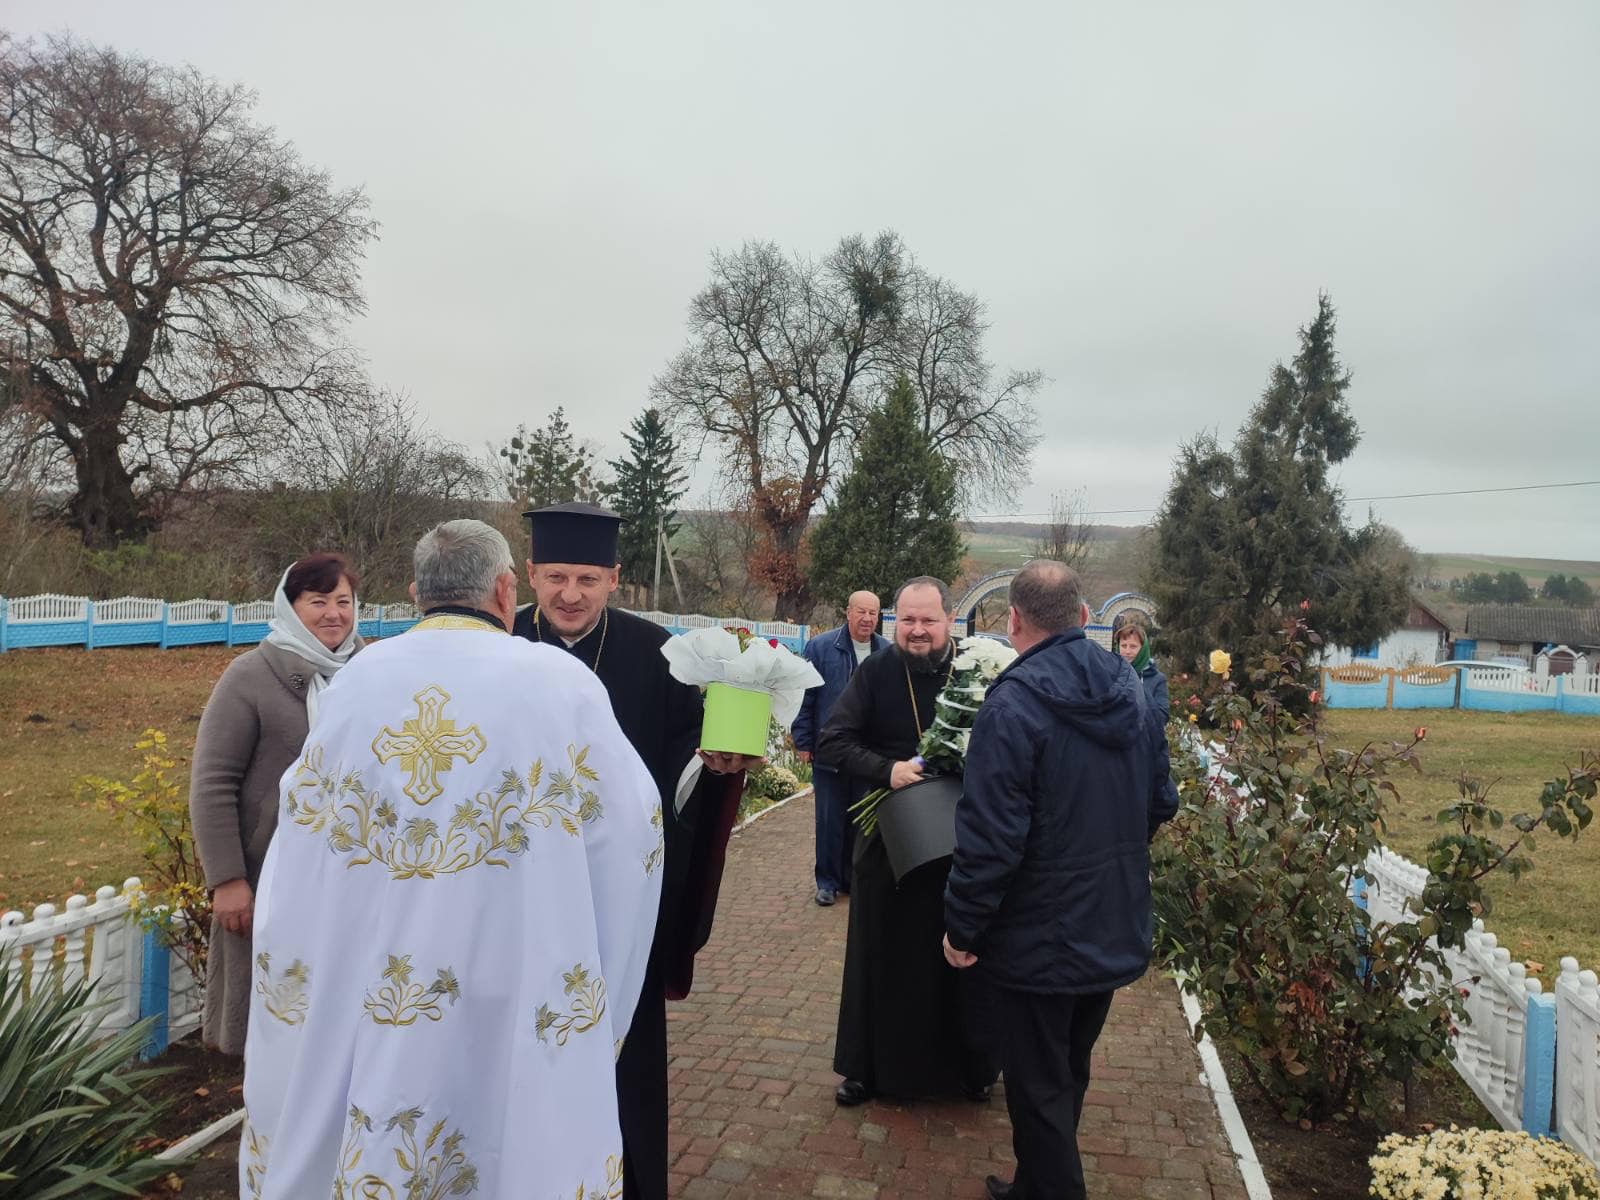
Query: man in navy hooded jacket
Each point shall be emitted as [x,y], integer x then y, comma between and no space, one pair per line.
[1050,887]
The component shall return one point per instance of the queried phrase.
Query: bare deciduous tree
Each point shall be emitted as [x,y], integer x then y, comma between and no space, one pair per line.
[368,482]
[788,356]
[1067,536]
[173,278]
[783,357]
[25,478]
[986,427]
[714,551]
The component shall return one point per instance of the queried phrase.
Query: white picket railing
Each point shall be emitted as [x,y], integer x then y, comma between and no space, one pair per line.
[1520,1049]
[126,609]
[370,612]
[1578,1059]
[1519,682]
[96,941]
[49,607]
[84,940]
[1392,881]
[1490,1046]
[252,612]
[400,612]
[197,612]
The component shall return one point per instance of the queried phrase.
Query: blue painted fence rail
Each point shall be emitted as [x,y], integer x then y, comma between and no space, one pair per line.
[52,620]
[1486,690]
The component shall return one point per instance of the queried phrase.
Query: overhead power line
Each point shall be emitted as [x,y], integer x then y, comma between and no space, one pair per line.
[1118,512]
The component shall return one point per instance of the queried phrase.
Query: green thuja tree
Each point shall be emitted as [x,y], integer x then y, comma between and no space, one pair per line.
[1248,533]
[895,514]
[648,483]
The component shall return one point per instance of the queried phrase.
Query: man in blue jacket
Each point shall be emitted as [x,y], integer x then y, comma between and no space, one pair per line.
[835,655]
[1050,885]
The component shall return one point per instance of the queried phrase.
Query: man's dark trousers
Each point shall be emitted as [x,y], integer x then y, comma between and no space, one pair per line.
[1045,1043]
[834,831]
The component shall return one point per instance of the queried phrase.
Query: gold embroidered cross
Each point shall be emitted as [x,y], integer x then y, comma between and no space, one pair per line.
[428,744]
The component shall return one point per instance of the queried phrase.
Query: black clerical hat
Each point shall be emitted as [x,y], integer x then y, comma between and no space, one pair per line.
[574,533]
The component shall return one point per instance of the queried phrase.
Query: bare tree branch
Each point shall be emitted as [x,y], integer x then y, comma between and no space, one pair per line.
[987,428]
[174,281]
[1068,536]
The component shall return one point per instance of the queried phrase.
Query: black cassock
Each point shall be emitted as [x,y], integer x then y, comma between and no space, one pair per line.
[910,1025]
[660,717]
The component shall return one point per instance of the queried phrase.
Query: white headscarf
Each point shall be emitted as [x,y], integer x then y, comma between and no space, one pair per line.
[288,632]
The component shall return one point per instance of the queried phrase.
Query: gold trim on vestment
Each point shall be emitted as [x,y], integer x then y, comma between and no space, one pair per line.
[454,621]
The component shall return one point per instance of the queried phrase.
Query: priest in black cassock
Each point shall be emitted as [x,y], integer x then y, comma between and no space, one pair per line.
[910,1025]
[573,571]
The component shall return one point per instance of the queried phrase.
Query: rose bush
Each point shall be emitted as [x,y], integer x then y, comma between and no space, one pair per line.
[1252,887]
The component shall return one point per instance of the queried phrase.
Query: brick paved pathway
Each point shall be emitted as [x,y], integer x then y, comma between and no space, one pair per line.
[753,1112]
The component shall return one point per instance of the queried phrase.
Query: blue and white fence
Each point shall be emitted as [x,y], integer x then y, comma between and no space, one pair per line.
[1506,1050]
[1473,689]
[785,632]
[1532,1057]
[53,620]
[134,973]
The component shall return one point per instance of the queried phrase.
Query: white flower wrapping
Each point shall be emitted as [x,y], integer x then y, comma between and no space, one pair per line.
[989,656]
[712,655]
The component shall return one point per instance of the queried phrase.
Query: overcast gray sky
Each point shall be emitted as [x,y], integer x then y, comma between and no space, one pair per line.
[1148,197]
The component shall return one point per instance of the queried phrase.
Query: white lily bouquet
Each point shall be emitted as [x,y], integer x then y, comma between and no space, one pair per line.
[943,749]
[749,681]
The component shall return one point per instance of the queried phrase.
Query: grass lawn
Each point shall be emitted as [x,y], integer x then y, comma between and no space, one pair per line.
[1555,909]
[66,713]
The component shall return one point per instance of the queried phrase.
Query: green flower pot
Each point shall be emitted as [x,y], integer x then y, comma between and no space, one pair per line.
[736,720]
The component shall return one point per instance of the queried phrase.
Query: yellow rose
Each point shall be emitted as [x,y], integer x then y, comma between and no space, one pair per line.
[1193,719]
[1221,662]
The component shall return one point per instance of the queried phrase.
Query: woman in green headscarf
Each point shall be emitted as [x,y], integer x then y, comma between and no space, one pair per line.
[1133,643]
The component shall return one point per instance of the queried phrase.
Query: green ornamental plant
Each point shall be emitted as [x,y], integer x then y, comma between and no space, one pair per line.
[1252,889]
[174,901]
[71,1118]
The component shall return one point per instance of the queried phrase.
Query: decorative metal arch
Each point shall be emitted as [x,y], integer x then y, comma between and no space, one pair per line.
[1123,602]
[989,585]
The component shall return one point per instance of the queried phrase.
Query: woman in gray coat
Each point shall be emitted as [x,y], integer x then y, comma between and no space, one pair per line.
[252,730]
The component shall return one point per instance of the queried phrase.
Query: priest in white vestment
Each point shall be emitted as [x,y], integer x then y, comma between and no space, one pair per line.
[454,917]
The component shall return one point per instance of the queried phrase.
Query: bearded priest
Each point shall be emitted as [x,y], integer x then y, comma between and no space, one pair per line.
[910,1025]
[573,569]
[451,929]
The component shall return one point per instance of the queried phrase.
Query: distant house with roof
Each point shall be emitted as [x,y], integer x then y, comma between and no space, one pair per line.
[1423,639]
[1523,630]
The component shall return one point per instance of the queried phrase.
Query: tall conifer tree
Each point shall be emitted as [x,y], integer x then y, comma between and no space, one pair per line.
[895,514]
[647,486]
[1245,536]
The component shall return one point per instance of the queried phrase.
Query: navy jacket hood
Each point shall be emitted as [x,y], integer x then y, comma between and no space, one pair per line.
[1096,694]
